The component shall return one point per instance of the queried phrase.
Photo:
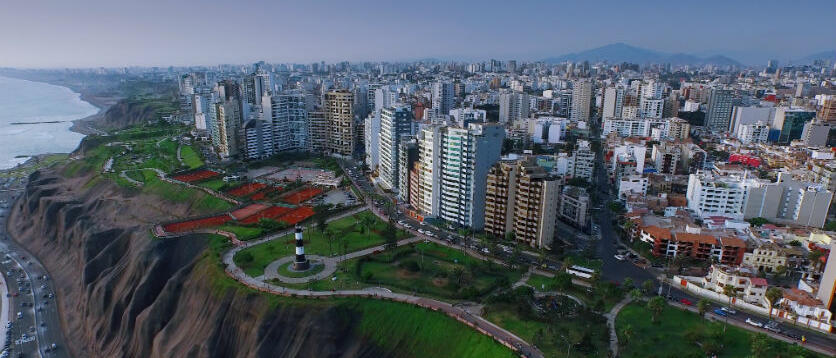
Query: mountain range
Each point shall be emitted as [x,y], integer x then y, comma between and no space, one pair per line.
[621,52]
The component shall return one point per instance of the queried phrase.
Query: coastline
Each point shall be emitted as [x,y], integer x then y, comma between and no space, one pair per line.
[84,125]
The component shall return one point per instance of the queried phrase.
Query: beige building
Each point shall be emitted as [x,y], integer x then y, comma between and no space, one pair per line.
[521,199]
[318,128]
[677,129]
[766,258]
[748,287]
[339,114]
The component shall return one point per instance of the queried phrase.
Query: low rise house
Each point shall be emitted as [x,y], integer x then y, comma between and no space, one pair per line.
[748,287]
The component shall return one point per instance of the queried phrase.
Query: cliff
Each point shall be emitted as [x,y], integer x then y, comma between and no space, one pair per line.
[122,293]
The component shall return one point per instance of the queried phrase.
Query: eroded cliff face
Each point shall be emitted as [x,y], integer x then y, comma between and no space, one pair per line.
[124,294]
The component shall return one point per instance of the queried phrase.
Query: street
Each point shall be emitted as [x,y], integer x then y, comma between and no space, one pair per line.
[32,294]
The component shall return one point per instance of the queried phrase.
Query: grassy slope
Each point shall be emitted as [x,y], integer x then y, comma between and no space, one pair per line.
[190,157]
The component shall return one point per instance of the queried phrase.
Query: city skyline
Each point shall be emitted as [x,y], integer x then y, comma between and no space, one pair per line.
[98,33]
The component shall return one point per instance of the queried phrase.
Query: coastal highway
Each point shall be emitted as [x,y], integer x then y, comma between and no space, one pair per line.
[32,294]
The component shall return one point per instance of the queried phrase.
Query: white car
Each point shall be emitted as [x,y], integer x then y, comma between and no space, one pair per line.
[754,323]
[619,257]
[428,233]
[420,231]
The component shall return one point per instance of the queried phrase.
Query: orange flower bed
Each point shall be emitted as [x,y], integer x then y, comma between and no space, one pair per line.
[301,195]
[272,212]
[197,224]
[247,211]
[196,176]
[246,189]
[297,215]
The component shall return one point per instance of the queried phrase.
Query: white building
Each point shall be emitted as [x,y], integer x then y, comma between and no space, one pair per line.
[467,155]
[465,116]
[632,184]
[582,162]
[429,157]
[711,195]
[787,201]
[547,129]
[742,116]
[613,102]
[371,140]
[630,127]
[752,132]
[443,97]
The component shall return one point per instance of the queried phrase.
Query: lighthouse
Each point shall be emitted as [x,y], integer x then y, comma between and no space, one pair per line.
[301,263]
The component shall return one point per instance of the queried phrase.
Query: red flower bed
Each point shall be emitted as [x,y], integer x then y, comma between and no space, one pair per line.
[297,215]
[301,195]
[196,176]
[246,189]
[270,213]
[197,224]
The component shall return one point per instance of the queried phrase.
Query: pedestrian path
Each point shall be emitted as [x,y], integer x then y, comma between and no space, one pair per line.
[611,315]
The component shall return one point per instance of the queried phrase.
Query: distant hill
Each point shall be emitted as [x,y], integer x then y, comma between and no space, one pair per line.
[825,55]
[621,52]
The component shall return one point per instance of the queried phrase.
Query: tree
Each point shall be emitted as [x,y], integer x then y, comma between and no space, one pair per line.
[647,286]
[562,280]
[628,283]
[702,306]
[321,222]
[780,271]
[656,305]
[730,292]
[760,345]
[772,295]
[390,235]
[815,259]
[636,294]
[329,236]
[758,221]
[245,257]
[627,333]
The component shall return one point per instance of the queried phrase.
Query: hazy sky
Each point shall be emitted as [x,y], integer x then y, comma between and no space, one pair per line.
[81,33]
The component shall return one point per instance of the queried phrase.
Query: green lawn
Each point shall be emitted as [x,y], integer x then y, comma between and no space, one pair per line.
[548,336]
[683,334]
[541,283]
[216,184]
[190,157]
[347,230]
[243,233]
[439,272]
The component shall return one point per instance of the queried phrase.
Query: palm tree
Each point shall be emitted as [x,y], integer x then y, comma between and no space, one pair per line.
[702,306]
[772,295]
[636,294]
[628,283]
[329,236]
[656,305]
[627,333]
[730,292]
[647,286]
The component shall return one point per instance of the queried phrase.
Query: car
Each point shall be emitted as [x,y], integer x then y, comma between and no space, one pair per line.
[619,257]
[686,302]
[792,335]
[729,310]
[754,323]
[720,312]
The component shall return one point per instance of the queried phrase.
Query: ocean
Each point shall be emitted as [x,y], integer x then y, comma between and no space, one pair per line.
[35,118]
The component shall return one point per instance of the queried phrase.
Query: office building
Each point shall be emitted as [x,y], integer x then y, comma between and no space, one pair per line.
[790,121]
[787,201]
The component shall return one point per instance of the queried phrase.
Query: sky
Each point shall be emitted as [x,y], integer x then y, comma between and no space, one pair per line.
[92,33]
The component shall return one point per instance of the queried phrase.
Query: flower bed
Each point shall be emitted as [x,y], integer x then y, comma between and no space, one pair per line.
[297,215]
[190,225]
[263,194]
[196,176]
[301,195]
[272,212]
[246,189]
[247,211]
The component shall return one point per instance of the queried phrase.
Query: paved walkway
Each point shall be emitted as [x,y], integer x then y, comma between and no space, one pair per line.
[611,315]
[5,308]
[522,280]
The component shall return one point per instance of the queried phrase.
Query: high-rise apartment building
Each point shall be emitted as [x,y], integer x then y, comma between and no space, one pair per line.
[535,205]
[318,126]
[613,102]
[290,121]
[466,156]
[582,100]
[720,104]
[513,106]
[429,159]
[407,157]
[827,112]
[443,97]
[339,114]
[582,162]
[499,198]
[574,206]
[372,140]
[395,122]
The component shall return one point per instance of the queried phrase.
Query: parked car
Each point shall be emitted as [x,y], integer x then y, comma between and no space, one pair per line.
[619,257]
[729,310]
[720,312]
[686,302]
[754,323]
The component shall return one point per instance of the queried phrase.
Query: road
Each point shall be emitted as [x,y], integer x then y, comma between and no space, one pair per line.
[32,296]
[617,271]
